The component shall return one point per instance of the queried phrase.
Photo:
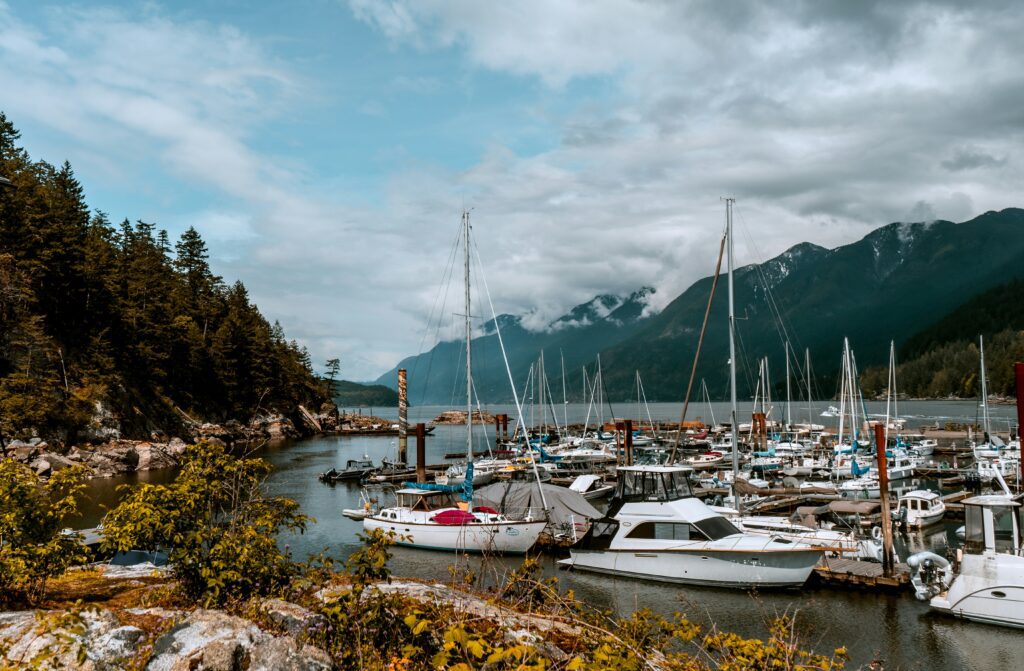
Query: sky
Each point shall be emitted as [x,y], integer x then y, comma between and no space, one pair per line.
[326,149]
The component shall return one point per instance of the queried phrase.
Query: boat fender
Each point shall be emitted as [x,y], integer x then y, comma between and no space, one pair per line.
[930,574]
[876,533]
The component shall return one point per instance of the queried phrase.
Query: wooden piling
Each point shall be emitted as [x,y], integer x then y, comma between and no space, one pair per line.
[883,487]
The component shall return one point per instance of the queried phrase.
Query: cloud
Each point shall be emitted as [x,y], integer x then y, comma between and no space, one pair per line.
[595,139]
[965,158]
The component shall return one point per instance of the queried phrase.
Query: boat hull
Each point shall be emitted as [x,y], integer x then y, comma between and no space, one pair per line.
[705,567]
[485,537]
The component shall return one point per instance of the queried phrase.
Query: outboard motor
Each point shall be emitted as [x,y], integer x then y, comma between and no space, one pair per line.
[930,574]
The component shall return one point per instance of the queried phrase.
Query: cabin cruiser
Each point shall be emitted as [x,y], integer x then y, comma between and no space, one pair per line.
[431,519]
[655,529]
[456,475]
[354,469]
[988,583]
[920,508]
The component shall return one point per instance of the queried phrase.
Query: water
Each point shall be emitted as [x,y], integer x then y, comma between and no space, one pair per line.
[894,628]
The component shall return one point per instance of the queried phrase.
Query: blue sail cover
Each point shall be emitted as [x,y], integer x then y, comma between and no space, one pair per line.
[546,458]
[857,471]
[465,490]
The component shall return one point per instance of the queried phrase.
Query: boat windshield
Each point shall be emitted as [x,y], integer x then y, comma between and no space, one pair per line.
[716,527]
[1005,534]
[643,485]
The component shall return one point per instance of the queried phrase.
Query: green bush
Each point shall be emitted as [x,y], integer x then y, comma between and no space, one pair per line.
[218,528]
[33,547]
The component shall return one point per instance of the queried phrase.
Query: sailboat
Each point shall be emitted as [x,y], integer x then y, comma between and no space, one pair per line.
[656,529]
[993,446]
[442,517]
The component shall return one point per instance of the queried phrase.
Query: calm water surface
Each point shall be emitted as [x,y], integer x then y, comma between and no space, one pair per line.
[897,629]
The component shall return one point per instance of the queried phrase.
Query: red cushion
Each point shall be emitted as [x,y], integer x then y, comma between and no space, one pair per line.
[453,517]
[485,509]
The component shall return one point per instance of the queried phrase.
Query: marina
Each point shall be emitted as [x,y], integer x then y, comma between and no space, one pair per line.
[892,624]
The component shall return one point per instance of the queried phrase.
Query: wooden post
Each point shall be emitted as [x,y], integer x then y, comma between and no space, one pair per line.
[629,441]
[883,487]
[504,427]
[403,417]
[421,452]
[619,445]
[497,429]
[1018,371]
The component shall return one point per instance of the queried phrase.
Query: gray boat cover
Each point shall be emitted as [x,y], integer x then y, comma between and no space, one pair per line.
[515,498]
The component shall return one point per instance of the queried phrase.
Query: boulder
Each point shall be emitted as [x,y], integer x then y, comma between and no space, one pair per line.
[214,641]
[293,618]
[23,453]
[102,426]
[41,467]
[176,447]
[281,427]
[94,640]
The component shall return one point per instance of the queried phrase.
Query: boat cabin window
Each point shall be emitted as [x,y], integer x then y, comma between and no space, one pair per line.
[974,528]
[653,485]
[716,527]
[667,531]
[1005,533]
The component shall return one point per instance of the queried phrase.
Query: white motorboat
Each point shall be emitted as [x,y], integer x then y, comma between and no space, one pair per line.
[831,541]
[656,530]
[988,583]
[924,447]
[921,508]
[456,475]
[591,487]
[866,487]
[431,519]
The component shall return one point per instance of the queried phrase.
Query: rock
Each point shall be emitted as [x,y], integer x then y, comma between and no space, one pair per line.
[214,440]
[58,462]
[102,426]
[92,641]
[294,618]
[176,447]
[144,454]
[22,452]
[213,641]
[35,441]
[41,467]
[281,427]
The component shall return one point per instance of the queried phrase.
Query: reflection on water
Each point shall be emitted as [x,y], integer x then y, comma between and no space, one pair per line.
[894,628]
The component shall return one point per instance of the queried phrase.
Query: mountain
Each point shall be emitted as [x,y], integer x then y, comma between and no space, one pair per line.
[437,376]
[886,286]
[355,395]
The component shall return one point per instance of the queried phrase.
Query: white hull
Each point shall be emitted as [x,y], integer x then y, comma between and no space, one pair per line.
[490,537]
[701,567]
[989,589]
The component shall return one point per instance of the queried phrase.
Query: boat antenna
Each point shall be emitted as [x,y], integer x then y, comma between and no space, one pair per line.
[732,358]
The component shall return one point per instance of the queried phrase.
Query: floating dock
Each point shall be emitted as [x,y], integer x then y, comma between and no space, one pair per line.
[852,573]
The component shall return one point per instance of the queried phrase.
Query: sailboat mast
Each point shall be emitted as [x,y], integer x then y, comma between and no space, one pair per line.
[789,397]
[469,349]
[984,391]
[807,365]
[565,397]
[732,359]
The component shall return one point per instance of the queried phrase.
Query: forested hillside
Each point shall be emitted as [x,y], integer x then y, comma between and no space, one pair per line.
[944,360]
[122,316]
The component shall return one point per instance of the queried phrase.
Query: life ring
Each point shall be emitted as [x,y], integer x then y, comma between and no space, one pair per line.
[876,533]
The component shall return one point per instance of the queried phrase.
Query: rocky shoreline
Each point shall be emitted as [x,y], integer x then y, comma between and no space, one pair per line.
[105,454]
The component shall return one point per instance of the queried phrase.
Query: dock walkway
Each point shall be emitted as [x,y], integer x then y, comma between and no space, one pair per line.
[840,572]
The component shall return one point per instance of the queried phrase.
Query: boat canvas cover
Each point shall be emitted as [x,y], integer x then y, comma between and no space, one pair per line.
[515,498]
